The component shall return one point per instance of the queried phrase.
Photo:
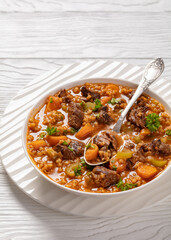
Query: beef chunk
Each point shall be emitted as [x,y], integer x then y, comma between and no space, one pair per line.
[105,139]
[130,164]
[78,147]
[75,115]
[68,154]
[104,117]
[137,116]
[160,148]
[104,177]
[63,94]
[86,92]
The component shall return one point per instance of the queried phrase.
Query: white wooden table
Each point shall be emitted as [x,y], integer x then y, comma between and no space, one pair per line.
[39,35]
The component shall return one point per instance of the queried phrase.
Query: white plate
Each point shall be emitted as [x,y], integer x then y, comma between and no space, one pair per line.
[26,177]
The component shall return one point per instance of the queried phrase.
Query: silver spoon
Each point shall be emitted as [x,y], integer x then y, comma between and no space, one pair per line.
[152,72]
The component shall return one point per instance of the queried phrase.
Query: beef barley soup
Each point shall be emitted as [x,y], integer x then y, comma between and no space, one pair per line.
[59,132]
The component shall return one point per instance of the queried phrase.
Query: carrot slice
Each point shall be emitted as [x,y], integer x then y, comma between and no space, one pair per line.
[105,100]
[146,171]
[92,152]
[85,132]
[113,88]
[54,103]
[38,143]
[53,140]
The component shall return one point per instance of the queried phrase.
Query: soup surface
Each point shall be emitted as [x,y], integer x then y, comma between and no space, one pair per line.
[58,134]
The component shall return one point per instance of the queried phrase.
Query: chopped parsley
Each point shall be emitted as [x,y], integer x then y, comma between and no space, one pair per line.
[84,164]
[114,101]
[70,148]
[168,132]
[65,131]
[98,115]
[73,130]
[89,146]
[82,104]
[152,122]
[114,168]
[98,104]
[41,136]
[51,100]
[125,186]
[77,170]
[51,131]
[65,143]
[62,118]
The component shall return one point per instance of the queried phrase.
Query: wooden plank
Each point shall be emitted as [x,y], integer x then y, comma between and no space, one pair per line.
[85,35]
[85,6]
[23,218]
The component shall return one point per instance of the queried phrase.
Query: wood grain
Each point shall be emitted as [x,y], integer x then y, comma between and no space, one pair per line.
[85,6]
[80,35]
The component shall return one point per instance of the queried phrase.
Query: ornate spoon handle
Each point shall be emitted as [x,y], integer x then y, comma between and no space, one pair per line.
[152,71]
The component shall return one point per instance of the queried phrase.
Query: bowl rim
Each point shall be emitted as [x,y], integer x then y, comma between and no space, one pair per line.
[79,82]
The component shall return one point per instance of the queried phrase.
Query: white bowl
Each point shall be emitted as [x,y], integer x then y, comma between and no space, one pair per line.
[153,183]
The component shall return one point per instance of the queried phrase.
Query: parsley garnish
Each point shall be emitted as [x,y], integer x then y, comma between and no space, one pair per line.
[62,118]
[152,122]
[98,104]
[114,168]
[51,100]
[73,130]
[51,131]
[70,148]
[125,186]
[89,146]
[168,132]
[84,164]
[114,101]
[65,143]
[65,131]
[98,115]
[41,136]
[77,170]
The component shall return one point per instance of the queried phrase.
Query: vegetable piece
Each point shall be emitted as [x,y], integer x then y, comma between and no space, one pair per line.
[85,132]
[92,152]
[84,164]
[124,155]
[105,100]
[37,144]
[125,186]
[70,169]
[152,122]
[89,105]
[98,104]
[113,88]
[115,101]
[158,163]
[54,103]
[51,131]
[52,153]
[53,140]
[77,170]
[168,132]
[144,132]
[146,171]
[137,139]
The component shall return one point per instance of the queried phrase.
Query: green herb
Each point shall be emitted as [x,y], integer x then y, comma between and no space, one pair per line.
[152,122]
[90,146]
[77,170]
[51,100]
[65,131]
[168,132]
[112,161]
[41,136]
[98,115]
[84,164]
[88,173]
[73,130]
[114,101]
[125,186]
[98,104]
[70,148]
[62,118]
[82,104]
[65,143]
[114,168]
[51,131]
